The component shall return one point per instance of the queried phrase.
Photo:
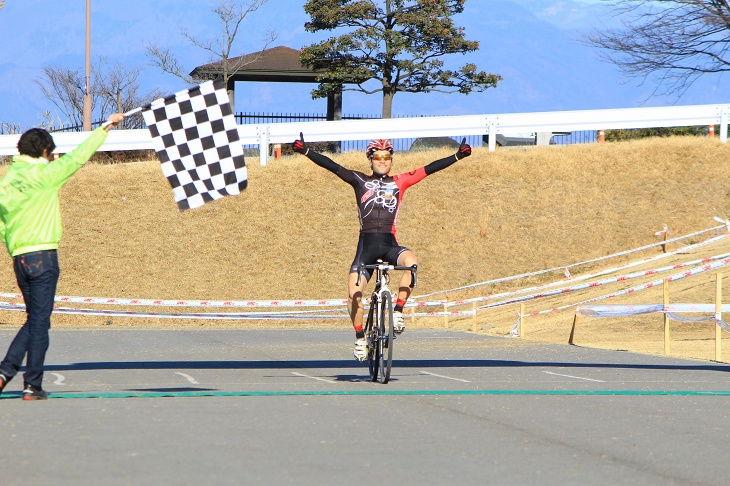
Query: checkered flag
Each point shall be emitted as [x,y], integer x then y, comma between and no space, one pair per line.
[195,136]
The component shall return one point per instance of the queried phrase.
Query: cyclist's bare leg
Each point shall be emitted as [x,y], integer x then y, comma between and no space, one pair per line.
[354,305]
[406,259]
[354,299]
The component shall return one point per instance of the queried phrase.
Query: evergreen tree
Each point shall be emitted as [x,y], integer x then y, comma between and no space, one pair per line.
[396,42]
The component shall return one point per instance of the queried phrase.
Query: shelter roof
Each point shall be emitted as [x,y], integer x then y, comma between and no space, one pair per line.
[278,64]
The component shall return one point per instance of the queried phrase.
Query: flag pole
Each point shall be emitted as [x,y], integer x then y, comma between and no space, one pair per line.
[129,113]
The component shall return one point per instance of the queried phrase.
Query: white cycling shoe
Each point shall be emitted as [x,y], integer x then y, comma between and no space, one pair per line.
[399,324]
[361,349]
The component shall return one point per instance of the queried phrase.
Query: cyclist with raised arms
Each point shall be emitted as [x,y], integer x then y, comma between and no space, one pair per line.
[379,196]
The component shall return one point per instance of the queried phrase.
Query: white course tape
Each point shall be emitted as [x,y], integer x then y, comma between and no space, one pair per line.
[672,311]
[632,309]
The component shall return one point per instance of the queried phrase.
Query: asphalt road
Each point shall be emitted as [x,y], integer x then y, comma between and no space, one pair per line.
[293,407]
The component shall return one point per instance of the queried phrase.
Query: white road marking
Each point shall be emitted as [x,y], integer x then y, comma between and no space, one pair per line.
[576,377]
[188,377]
[59,379]
[445,377]
[312,377]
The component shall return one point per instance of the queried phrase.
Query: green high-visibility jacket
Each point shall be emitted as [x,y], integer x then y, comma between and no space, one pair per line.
[30,211]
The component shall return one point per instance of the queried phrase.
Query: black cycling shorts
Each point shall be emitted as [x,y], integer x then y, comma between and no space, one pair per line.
[372,247]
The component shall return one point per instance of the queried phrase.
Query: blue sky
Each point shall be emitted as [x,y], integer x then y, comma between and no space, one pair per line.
[533,44]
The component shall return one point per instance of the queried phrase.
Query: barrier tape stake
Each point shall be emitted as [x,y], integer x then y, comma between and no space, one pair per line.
[575,322]
[474,318]
[664,246]
[718,316]
[446,313]
[666,317]
[521,327]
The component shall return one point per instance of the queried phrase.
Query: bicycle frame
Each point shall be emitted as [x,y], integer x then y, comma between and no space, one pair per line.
[379,324]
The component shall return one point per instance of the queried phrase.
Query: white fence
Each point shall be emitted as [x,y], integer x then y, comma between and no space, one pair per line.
[457,126]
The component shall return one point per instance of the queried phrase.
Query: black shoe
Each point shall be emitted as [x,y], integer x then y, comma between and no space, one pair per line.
[32,393]
[3,381]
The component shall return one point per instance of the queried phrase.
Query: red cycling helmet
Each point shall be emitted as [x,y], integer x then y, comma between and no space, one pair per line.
[380,144]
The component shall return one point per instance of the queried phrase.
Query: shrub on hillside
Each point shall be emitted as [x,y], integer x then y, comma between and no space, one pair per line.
[122,156]
[638,133]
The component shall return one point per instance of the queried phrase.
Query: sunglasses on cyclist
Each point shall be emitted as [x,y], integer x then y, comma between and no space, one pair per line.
[382,157]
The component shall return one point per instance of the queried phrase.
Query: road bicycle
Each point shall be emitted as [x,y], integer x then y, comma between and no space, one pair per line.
[379,323]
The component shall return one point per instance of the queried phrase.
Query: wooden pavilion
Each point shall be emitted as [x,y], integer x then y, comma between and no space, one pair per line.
[276,65]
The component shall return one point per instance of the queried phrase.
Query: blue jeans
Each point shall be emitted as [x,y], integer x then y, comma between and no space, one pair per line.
[37,274]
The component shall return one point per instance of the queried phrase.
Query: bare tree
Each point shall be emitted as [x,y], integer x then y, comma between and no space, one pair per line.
[115,89]
[231,15]
[671,43]
[63,87]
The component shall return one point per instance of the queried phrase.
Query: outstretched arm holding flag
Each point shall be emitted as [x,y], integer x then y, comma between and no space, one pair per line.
[30,226]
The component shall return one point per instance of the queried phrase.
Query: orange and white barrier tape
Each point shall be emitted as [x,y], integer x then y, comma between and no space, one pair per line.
[654,283]
[565,268]
[13,306]
[619,278]
[209,303]
[298,303]
[591,275]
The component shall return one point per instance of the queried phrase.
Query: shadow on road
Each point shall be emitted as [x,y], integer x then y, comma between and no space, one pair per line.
[339,364]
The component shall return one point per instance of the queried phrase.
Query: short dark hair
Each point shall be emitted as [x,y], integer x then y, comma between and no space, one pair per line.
[35,141]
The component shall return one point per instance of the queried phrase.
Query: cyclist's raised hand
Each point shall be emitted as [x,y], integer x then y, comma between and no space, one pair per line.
[464,150]
[299,145]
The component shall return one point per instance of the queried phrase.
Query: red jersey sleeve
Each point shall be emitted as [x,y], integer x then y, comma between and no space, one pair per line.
[405,180]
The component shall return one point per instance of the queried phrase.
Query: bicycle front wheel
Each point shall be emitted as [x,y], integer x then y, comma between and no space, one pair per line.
[371,334]
[385,341]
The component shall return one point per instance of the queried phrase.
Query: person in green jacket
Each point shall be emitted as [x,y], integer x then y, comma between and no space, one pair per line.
[30,228]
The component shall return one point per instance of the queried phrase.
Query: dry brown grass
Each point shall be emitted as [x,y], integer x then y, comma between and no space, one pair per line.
[292,234]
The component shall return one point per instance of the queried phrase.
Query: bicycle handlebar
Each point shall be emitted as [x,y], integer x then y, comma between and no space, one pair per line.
[386,267]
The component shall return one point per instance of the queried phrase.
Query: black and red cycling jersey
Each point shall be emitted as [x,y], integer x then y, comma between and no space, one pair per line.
[379,197]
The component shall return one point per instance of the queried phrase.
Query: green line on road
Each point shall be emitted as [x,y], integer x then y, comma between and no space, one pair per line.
[381,392]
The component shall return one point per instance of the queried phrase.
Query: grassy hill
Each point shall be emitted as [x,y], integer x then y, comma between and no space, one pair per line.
[292,234]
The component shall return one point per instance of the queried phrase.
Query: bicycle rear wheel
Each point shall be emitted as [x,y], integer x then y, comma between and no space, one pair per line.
[385,339]
[371,334]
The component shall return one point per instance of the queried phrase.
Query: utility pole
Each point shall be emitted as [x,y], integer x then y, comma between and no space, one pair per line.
[87,88]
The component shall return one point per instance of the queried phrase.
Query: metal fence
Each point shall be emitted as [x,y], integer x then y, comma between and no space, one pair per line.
[76,128]
[344,146]
[9,129]
[577,137]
